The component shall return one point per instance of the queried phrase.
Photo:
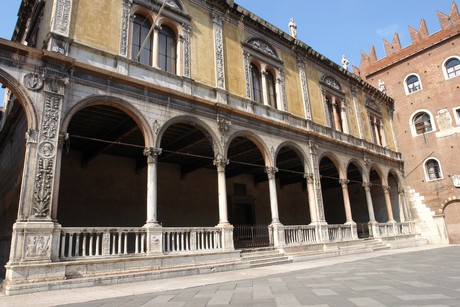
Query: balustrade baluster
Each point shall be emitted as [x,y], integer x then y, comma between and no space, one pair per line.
[182,240]
[143,243]
[136,244]
[69,246]
[91,244]
[113,243]
[77,244]
[119,243]
[83,247]
[98,242]
[126,243]
[63,237]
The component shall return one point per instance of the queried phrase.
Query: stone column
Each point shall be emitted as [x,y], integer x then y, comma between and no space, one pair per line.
[378,140]
[224,225]
[311,198]
[303,80]
[343,115]
[386,192]
[153,228]
[264,87]
[152,184]
[406,216]
[271,171]
[156,39]
[373,225]
[222,190]
[61,142]
[276,228]
[383,140]
[346,200]
[335,115]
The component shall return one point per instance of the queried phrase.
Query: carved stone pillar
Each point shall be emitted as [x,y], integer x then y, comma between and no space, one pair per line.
[60,26]
[386,192]
[344,117]
[247,73]
[311,198]
[187,54]
[305,94]
[383,140]
[219,50]
[373,225]
[152,184]
[125,19]
[222,190]
[61,142]
[346,200]
[271,171]
[406,216]
[283,94]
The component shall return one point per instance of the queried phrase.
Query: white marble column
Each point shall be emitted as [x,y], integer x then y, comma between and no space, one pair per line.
[264,87]
[346,200]
[271,171]
[311,198]
[222,191]
[152,184]
[386,192]
[383,140]
[344,117]
[156,40]
[370,206]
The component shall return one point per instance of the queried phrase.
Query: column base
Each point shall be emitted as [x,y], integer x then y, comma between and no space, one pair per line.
[154,238]
[374,230]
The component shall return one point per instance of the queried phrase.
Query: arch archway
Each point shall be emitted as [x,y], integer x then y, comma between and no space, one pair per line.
[334,208]
[451,210]
[291,186]
[378,197]
[357,196]
[187,177]
[103,178]
[396,202]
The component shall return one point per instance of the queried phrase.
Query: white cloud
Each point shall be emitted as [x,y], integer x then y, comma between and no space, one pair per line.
[388,30]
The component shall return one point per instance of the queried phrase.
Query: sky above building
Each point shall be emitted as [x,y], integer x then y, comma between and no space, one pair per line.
[331,27]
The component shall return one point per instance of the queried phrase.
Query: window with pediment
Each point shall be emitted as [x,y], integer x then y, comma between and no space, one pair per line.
[264,74]
[158,40]
[377,130]
[335,106]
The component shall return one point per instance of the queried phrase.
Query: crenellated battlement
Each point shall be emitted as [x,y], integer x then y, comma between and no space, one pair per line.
[421,39]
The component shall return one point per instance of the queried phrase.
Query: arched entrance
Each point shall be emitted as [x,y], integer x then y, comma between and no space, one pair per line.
[452,220]
[358,201]
[103,174]
[13,127]
[292,188]
[187,178]
[248,194]
[396,204]
[378,197]
[334,208]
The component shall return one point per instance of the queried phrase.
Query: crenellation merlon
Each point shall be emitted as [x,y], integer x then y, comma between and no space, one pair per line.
[421,39]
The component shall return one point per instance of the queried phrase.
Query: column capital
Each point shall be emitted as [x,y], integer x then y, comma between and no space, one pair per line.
[367,185]
[401,192]
[310,177]
[220,164]
[344,182]
[271,171]
[152,153]
[386,188]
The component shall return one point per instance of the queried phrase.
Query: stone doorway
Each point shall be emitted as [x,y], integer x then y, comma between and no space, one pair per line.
[452,220]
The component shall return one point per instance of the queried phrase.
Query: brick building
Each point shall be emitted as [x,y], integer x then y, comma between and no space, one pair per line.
[424,80]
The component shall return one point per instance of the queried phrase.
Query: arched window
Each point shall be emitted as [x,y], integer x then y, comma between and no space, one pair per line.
[271,89]
[141,28]
[167,49]
[452,68]
[433,169]
[256,84]
[422,123]
[413,84]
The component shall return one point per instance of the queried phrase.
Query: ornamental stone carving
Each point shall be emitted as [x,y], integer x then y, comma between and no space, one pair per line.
[219,50]
[303,80]
[62,17]
[125,17]
[332,83]
[187,53]
[263,46]
[33,82]
[37,247]
[43,187]
[247,73]
[220,164]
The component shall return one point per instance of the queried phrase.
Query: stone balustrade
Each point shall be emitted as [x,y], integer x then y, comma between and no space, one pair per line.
[182,239]
[300,234]
[79,242]
[340,232]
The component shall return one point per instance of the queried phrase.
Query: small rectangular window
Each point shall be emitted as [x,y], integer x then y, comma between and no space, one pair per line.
[457,115]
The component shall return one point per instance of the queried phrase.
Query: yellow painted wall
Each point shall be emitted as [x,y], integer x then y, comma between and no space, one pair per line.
[293,85]
[234,61]
[364,117]
[202,46]
[97,24]
[352,120]
[316,100]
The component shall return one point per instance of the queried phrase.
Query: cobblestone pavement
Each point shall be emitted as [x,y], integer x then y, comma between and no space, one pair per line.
[410,277]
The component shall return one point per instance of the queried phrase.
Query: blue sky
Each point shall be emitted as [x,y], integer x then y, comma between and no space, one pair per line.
[331,27]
